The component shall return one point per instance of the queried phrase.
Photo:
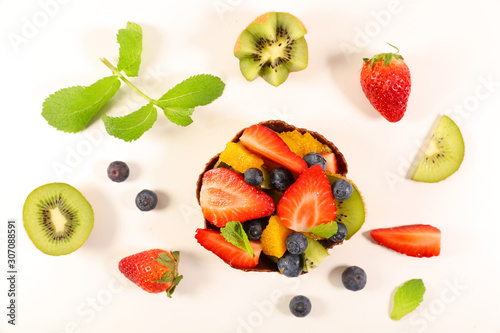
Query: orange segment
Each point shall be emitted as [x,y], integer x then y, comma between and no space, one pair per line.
[302,144]
[273,237]
[240,158]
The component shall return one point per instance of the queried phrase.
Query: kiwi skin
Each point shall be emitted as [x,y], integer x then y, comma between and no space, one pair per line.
[72,212]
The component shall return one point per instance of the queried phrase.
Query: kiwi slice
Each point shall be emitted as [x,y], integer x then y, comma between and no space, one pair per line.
[57,218]
[351,212]
[272,46]
[443,155]
[314,254]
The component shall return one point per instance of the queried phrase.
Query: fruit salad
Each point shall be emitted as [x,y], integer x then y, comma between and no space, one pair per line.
[277,199]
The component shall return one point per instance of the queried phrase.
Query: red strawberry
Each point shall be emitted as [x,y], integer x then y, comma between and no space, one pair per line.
[308,202]
[213,241]
[225,196]
[267,143]
[386,82]
[416,240]
[331,162]
[155,271]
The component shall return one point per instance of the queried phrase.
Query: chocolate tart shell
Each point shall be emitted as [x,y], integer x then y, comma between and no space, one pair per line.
[265,263]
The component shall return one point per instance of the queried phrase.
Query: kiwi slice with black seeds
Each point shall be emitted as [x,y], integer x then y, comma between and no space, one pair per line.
[57,218]
[444,153]
[351,212]
[272,46]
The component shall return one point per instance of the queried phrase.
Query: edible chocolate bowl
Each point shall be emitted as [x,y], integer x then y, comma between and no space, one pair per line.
[266,263]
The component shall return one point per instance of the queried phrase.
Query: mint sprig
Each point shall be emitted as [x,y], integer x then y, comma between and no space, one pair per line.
[233,233]
[407,298]
[72,109]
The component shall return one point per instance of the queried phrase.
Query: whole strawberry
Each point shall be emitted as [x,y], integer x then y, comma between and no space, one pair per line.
[155,271]
[386,82]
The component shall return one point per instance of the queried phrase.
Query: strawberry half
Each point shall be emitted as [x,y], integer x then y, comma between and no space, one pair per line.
[225,197]
[213,241]
[386,82]
[331,163]
[268,144]
[415,240]
[155,271]
[308,202]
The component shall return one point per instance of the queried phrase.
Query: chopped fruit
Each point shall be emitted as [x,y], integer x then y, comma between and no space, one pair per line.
[225,196]
[213,241]
[342,189]
[303,144]
[308,202]
[155,271]
[254,176]
[274,237]
[267,143]
[239,158]
[281,178]
[386,82]
[315,158]
[354,278]
[296,243]
[314,254]
[300,306]
[416,240]
[290,264]
[146,200]
[331,163]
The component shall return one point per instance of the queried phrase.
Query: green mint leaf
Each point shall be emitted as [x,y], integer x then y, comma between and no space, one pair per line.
[71,109]
[407,298]
[197,90]
[233,233]
[132,126]
[130,40]
[326,230]
[179,116]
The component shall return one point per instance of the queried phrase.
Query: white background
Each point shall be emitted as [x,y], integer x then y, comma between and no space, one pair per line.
[451,48]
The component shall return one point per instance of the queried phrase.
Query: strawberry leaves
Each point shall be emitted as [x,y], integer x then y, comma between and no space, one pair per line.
[171,275]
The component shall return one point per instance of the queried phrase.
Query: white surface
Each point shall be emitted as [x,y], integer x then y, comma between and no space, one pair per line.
[452,50]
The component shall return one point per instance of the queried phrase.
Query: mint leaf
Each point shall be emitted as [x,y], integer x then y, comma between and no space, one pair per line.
[132,126]
[71,109]
[326,230]
[233,233]
[407,298]
[179,116]
[197,90]
[130,40]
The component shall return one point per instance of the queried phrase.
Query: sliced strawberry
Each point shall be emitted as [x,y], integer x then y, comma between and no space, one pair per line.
[268,144]
[331,163]
[213,241]
[225,196]
[308,202]
[416,240]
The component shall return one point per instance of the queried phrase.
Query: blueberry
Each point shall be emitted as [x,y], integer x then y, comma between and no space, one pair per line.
[300,306]
[254,228]
[290,264]
[315,158]
[341,233]
[146,200]
[354,278]
[281,178]
[254,176]
[118,171]
[342,189]
[296,243]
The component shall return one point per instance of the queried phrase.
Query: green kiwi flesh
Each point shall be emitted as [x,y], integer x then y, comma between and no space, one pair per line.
[444,153]
[272,48]
[351,212]
[57,218]
[314,254]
